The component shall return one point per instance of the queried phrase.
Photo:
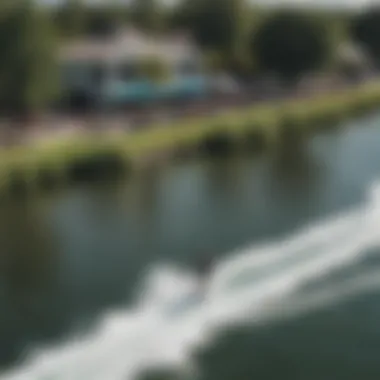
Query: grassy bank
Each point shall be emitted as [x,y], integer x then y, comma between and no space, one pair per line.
[48,165]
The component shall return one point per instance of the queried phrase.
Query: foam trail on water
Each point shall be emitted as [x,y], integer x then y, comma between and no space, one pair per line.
[321,298]
[171,319]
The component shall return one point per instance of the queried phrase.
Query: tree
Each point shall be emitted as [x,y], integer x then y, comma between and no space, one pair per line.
[147,15]
[75,18]
[71,18]
[28,79]
[289,44]
[215,24]
[101,21]
[219,27]
[365,30]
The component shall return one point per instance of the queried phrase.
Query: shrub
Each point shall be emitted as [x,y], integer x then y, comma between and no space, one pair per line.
[218,143]
[93,167]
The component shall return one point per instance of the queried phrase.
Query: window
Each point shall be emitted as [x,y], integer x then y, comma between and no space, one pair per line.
[97,74]
[128,71]
[188,68]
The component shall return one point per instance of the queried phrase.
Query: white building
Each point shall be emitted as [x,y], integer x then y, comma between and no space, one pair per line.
[108,68]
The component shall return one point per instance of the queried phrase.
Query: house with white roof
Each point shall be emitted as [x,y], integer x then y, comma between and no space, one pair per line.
[107,69]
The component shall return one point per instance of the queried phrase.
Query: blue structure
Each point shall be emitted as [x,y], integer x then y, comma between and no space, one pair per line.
[109,70]
[145,90]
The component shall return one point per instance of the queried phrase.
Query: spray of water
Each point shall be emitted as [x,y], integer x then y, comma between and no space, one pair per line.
[172,317]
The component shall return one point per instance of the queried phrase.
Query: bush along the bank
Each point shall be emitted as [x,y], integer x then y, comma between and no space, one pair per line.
[28,169]
[219,143]
[90,167]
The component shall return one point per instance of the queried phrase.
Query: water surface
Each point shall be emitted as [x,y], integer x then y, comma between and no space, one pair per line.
[69,258]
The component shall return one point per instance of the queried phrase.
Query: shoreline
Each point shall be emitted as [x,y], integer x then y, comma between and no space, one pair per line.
[101,154]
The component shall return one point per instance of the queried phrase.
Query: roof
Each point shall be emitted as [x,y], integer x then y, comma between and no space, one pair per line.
[129,43]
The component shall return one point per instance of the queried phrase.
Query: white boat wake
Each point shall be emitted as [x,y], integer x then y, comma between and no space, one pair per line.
[172,318]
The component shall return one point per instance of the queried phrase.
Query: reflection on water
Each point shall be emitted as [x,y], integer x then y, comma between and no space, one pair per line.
[296,169]
[65,260]
[26,275]
[24,253]
[225,177]
[341,340]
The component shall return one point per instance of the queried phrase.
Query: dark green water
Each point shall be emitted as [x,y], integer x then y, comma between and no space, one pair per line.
[66,259]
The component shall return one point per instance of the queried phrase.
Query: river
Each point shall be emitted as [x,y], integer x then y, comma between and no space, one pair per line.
[98,282]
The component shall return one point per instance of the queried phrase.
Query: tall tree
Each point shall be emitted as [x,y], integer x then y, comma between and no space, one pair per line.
[290,43]
[71,18]
[102,20]
[218,26]
[76,17]
[365,29]
[147,15]
[215,24]
[28,71]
